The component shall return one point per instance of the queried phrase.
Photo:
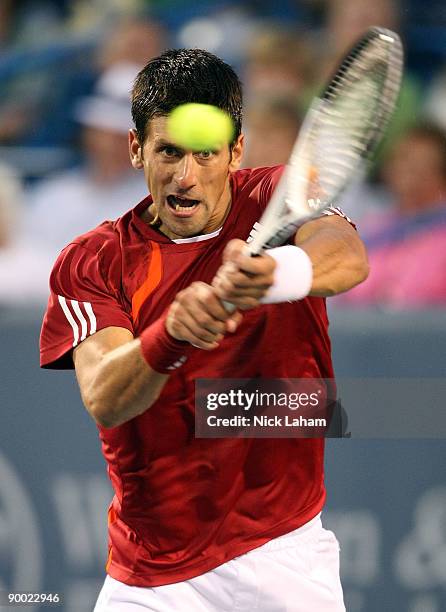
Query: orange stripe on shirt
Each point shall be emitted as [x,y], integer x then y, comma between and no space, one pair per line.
[111,515]
[111,520]
[109,559]
[152,281]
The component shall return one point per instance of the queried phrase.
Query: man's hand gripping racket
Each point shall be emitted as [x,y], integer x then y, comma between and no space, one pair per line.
[340,133]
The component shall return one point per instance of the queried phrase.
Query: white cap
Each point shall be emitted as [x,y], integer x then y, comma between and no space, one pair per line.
[110,107]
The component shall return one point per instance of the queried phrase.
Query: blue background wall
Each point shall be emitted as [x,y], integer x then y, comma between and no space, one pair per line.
[386,498]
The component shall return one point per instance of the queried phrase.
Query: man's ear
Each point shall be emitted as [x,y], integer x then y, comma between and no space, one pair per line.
[135,150]
[237,153]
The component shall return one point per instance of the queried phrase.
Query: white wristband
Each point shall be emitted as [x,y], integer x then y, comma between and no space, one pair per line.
[293,276]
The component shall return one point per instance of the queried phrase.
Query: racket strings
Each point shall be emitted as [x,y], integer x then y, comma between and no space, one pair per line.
[340,131]
[355,110]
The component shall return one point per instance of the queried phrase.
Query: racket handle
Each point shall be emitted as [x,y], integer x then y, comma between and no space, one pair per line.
[228,306]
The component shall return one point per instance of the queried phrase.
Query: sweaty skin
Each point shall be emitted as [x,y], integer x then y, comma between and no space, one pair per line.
[172,172]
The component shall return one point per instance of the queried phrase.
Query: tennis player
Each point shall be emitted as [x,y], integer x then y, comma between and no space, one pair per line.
[200,524]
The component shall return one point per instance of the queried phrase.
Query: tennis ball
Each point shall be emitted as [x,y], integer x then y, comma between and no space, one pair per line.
[200,127]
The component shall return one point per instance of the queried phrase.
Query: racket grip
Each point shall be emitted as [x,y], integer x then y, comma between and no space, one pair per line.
[228,306]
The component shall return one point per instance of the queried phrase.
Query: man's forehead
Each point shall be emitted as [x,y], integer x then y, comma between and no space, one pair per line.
[157,132]
[157,128]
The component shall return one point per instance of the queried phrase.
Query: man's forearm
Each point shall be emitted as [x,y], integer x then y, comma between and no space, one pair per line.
[122,386]
[120,377]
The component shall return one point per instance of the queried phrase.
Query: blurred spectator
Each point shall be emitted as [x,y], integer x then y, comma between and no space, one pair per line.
[38,97]
[21,265]
[279,63]
[407,245]
[93,15]
[21,25]
[271,127]
[72,202]
[127,39]
[22,21]
[434,108]
[133,40]
[11,205]
[224,28]
[345,22]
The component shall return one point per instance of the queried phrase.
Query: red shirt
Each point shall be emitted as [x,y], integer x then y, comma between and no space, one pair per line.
[184,505]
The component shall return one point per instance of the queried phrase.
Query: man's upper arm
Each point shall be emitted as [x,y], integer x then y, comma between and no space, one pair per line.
[337,253]
[335,223]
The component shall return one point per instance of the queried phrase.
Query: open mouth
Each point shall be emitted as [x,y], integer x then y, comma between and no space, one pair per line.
[182,207]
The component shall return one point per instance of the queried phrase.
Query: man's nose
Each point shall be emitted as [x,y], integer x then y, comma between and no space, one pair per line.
[185,173]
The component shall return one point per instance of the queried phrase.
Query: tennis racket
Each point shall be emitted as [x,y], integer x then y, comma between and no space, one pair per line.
[340,133]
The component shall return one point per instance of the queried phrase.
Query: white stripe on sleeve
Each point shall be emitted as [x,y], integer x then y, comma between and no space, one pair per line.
[81,318]
[89,310]
[70,319]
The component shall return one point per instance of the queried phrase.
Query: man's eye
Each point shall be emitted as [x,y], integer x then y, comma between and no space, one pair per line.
[206,154]
[170,151]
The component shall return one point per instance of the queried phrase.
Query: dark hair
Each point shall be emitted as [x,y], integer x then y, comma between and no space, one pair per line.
[179,76]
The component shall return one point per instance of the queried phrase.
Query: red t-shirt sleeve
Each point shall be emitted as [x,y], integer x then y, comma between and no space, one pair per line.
[269,184]
[82,301]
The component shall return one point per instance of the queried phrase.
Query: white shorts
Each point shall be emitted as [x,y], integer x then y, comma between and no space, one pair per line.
[297,572]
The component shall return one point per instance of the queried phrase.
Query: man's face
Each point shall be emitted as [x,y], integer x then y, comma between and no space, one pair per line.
[414,173]
[106,153]
[191,191]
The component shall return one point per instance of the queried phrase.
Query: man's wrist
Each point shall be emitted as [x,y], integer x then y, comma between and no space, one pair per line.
[293,275]
[160,350]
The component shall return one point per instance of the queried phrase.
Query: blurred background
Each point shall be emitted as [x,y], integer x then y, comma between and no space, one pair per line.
[66,69]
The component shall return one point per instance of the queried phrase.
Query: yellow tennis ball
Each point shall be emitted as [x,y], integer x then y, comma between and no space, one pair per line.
[200,127]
